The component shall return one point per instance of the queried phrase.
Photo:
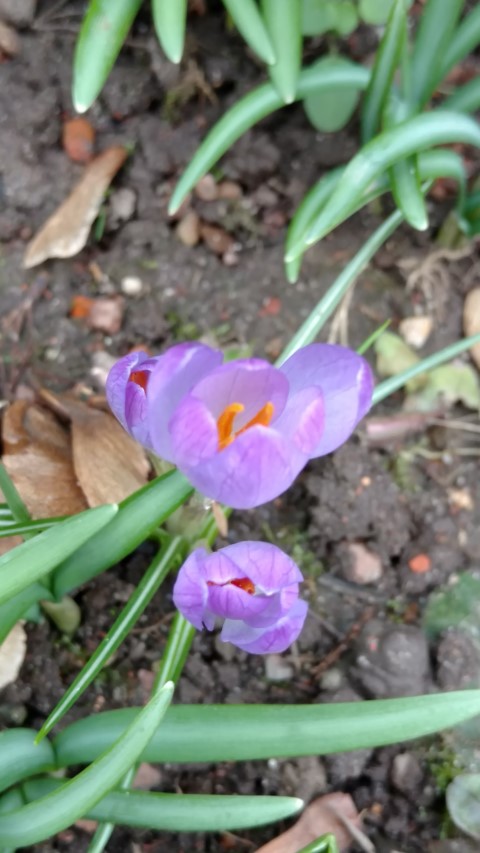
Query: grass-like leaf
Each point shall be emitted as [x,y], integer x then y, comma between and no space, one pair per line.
[386,62]
[248,21]
[170,21]
[283,21]
[433,37]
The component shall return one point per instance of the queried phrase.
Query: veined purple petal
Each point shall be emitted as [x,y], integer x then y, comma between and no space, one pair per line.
[127,399]
[346,381]
[267,566]
[303,419]
[250,381]
[175,374]
[257,467]
[271,640]
[193,433]
[190,592]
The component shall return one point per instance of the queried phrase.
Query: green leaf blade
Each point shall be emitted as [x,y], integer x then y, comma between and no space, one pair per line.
[386,63]
[249,23]
[170,21]
[284,24]
[103,31]
[437,23]
[37,557]
[21,758]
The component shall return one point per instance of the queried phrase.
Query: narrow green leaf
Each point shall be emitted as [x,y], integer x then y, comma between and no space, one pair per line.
[375,12]
[104,831]
[432,165]
[386,63]
[325,844]
[180,639]
[25,529]
[170,19]
[463,801]
[407,192]
[389,386]
[466,99]
[10,801]
[143,594]
[435,30]
[330,111]
[17,606]
[368,342]
[181,812]
[55,811]
[103,31]
[249,22]
[410,137]
[137,517]
[34,559]
[15,503]
[21,758]
[283,20]
[315,321]
[197,733]
[250,110]
[463,41]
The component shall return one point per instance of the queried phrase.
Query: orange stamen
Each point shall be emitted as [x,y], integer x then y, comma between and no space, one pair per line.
[140,377]
[225,422]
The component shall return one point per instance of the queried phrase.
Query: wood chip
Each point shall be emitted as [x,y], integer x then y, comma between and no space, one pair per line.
[66,232]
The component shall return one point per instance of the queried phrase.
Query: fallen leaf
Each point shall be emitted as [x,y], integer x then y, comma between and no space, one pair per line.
[108,463]
[471,320]
[331,813]
[78,139]
[12,654]
[445,386]
[38,458]
[415,331]
[65,233]
[394,356]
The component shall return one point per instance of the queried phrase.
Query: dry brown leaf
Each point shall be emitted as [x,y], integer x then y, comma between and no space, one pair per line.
[471,320]
[38,458]
[12,654]
[331,813]
[108,463]
[66,231]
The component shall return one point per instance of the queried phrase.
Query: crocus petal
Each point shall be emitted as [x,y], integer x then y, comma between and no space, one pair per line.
[231,602]
[278,605]
[257,467]
[190,592]
[266,641]
[303,419]
[346,381]
[250,381]
[267,566]
[174,376]
[193,432]
[117,383]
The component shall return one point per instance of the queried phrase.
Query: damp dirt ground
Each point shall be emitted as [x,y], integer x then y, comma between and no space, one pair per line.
[354,521]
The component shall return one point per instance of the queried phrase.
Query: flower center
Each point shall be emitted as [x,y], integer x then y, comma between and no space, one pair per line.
[140,377]
[243,583]
[226,433]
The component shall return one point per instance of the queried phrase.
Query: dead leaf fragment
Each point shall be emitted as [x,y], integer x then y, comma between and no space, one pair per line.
[38,458]
[12,654]
[332,813]
[78,139]
[108,463]
[66,232]
[471,320]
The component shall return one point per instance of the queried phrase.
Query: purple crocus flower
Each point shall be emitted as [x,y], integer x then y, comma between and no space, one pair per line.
[240,431]
[253,586]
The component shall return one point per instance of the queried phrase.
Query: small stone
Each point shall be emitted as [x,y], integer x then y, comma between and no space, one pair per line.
[277,669]
[225,650]
[121,208]
[102,363]
[217,239]
[407,774]
[229,190]
[364,566]
[415,331]
[332,679]
[207,189]
[20,13]
[188,229]
[147,777]
[106,315]
[131,285]
[458,661]
[9,41]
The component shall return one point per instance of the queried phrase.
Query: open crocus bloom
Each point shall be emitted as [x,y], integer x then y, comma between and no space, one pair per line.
[240,431]
[253,586]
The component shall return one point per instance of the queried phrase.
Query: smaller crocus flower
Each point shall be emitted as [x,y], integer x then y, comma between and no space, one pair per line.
[241,431]
[253,586]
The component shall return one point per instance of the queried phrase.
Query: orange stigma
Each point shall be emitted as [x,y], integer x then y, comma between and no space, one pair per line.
[225,422]
[245,584]
[140,377]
